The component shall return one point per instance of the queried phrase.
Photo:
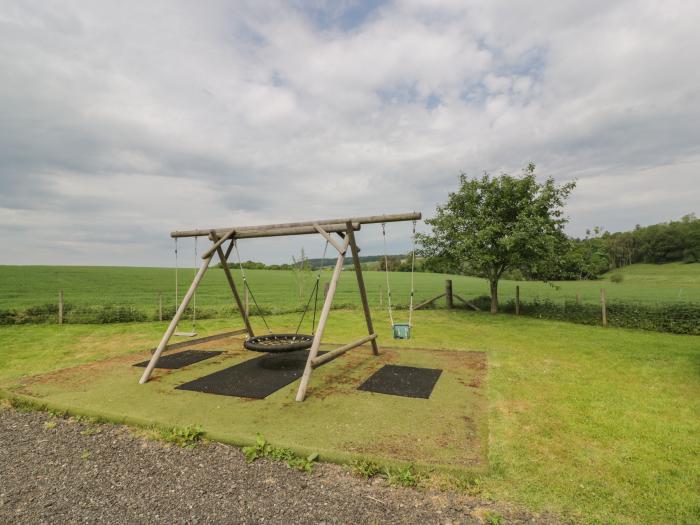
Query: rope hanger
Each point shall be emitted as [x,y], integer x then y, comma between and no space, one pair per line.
[400,330]
[313,295]
[194,298]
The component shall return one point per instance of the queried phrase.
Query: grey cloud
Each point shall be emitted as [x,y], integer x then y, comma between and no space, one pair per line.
[120,122]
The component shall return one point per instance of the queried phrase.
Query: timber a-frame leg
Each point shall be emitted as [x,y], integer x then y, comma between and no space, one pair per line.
[313,352]
[314,359]
[361,285]
[232,284]
[176,319]
[188,297]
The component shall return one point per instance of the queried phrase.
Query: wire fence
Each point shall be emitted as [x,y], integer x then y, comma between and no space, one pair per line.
[666,312]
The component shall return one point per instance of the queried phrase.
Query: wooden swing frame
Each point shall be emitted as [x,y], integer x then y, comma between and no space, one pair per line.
[345,230]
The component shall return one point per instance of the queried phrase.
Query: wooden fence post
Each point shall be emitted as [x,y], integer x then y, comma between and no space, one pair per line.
[448,294]
[160,306]
[517,300]
[603,307]
[60,307]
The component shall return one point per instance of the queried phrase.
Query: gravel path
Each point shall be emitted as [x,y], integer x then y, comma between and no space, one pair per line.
[60,475]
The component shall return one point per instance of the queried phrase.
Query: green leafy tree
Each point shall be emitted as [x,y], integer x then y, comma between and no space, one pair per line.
[494,224]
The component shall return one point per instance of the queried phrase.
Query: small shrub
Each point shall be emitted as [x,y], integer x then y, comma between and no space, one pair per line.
[185,437]
[21,405]
[469,485]
[85,420]
[403,477]
[364,468]
[617,278]
[263,449]
[493,518]
[677,318]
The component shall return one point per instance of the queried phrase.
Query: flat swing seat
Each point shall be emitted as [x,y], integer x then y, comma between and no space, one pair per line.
[402,331]
[185,334]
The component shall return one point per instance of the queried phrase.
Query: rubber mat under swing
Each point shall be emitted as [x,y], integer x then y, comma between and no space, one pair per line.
[406,381]
[256,378]
[182,359]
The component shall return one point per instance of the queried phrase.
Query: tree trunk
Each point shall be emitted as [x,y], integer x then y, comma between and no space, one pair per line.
[494,296]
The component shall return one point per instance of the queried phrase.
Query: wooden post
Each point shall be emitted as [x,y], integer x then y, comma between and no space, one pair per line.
[60,307]
[175,320]
[160,306]
[603,307]
[361,285]
[517,300]
[313,352]
[448,294]
[326,286]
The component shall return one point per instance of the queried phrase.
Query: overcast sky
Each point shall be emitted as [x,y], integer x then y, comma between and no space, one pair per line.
[121,121]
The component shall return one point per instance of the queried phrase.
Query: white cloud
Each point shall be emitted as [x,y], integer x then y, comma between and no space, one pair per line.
[122,121]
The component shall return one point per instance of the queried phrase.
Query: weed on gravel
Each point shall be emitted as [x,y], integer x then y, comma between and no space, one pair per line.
[263,449]
[185,437]
[365,469]
[400,477]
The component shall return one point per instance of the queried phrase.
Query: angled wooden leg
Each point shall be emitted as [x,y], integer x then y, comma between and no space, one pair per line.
[361,285]
[303,385]
[224,264]
[176,319]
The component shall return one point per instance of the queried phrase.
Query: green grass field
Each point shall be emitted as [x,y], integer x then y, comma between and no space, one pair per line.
[599,425]
[278,291]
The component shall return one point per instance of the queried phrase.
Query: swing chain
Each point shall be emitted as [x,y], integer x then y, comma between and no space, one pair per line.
[386,272]
[388,286]
[413,265]
[247,287]
[314,295]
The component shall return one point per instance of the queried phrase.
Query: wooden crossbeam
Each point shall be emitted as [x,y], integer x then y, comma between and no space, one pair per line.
[341,350]
[371,219]
[206,339]
[218,243]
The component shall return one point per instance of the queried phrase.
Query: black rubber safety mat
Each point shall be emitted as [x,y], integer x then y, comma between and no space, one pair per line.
[406,381]
[256,378]
[182,359]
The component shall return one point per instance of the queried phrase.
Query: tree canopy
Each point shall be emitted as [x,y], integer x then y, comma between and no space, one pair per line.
[493,224]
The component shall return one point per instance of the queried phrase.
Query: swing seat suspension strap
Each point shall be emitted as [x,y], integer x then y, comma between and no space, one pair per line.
[400,330]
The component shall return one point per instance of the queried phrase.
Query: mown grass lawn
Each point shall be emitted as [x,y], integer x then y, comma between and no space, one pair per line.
[601,425]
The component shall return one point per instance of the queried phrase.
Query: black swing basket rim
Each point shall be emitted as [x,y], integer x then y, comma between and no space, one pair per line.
[278,343]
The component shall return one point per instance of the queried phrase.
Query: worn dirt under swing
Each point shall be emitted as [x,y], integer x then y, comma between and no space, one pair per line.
[344,229]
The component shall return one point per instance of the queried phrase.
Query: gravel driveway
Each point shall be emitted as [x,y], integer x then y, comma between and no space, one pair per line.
[58,475]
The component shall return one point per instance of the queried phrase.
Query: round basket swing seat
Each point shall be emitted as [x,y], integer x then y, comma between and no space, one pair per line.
[278,343]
